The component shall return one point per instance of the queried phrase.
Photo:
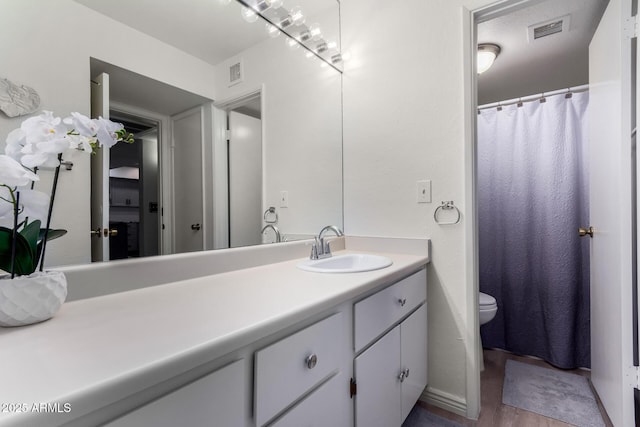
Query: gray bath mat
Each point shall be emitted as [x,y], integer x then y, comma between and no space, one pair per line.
[554,394]
[420,417]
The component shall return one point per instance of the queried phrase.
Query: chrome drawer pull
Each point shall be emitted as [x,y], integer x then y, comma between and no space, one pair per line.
[401,376]
[402,301]
[406,373]
[312,361]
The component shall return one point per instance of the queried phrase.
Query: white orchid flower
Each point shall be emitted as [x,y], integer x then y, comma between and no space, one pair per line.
[107,132]
[82,125]
[35,205]
[13,174]
[6,204]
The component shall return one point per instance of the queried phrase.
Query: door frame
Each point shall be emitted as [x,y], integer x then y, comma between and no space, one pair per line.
[165,169]
[471,19]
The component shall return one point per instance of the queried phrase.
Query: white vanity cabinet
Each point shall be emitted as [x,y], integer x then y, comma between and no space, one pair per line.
[293,367]
[392,372]
[217,399]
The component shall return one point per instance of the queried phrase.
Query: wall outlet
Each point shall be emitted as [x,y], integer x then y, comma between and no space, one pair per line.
[423,191]
[284,199]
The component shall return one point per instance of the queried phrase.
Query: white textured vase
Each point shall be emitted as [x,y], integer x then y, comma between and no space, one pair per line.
[25,300]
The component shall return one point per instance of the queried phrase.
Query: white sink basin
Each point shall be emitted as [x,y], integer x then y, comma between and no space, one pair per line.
[349,263]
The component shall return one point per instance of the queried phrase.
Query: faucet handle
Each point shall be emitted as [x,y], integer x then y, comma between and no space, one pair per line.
[326,249]
[314,248]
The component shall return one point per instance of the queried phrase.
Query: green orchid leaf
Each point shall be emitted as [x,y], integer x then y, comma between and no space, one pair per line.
[53,234]
[31,232]
[24,261]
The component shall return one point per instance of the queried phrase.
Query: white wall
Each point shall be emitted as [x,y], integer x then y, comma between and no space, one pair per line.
[302,134]
[404,120]
[47,45]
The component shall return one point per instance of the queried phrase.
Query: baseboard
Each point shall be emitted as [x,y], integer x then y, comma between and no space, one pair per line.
[446,401]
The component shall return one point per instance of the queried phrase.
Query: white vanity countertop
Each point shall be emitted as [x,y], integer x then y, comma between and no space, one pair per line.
[98,350]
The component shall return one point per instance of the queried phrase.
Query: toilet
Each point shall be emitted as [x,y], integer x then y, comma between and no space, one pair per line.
[488,308]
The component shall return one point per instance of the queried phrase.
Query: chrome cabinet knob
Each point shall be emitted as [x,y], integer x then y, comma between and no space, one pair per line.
[406,373]
[402,301]
[402,376]
[311,361]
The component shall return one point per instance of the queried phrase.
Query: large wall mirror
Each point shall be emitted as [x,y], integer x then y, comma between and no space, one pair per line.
[238,126]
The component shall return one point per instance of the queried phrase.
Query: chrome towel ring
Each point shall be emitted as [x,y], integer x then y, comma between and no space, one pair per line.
[446,206]
[270,216]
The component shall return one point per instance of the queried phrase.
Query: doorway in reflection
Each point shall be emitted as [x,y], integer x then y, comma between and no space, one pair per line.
[134,191]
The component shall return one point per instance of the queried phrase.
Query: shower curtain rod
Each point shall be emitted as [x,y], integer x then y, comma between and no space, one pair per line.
[535,97]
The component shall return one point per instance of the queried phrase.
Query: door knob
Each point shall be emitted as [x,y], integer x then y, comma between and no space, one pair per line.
[195,227]
[99,232]
[584,231]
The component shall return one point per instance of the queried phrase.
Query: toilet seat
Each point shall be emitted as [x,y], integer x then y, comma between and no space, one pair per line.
[486,301]
[487,308]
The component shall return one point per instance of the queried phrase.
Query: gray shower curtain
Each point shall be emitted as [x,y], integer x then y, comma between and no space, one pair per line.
[532,197]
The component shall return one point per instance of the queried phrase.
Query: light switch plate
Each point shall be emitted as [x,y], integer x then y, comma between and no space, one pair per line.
[423,191]
[284,199]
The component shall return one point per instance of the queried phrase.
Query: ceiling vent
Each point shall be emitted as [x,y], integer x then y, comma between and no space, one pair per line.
[548,28]
[235,73]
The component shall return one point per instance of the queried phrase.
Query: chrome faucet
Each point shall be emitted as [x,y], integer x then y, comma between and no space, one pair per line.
[275,230]
[321,249]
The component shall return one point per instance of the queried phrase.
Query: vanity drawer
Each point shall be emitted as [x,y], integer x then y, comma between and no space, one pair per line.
[326,406]
[289,368]
[377,313]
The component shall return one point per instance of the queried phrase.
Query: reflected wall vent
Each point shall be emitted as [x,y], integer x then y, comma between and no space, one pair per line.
[235,73]
[548,28]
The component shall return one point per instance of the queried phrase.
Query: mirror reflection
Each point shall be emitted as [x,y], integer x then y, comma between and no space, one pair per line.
[236,129]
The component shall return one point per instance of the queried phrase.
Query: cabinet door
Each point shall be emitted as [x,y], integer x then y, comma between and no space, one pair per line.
[377,373]
[413,353]
[217,399]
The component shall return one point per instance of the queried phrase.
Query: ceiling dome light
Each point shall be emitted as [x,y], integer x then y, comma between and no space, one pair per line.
[487,53]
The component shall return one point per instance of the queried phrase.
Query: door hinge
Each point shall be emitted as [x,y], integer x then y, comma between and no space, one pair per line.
[227,135]
[353,388]
[630,27]
[637,371]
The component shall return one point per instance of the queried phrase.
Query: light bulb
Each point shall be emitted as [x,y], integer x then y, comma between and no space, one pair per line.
[346,55]
[249,14]
[292,43]
[262,5]
[309,54]
[321,47]
[314,30]
[272,30]
[332,45]
[275,4]
[286,21]
[296,16]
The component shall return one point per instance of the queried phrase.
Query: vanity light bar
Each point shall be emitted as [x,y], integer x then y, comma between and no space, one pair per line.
[289,22]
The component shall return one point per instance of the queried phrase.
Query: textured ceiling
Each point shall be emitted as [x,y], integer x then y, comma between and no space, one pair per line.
[554,62]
